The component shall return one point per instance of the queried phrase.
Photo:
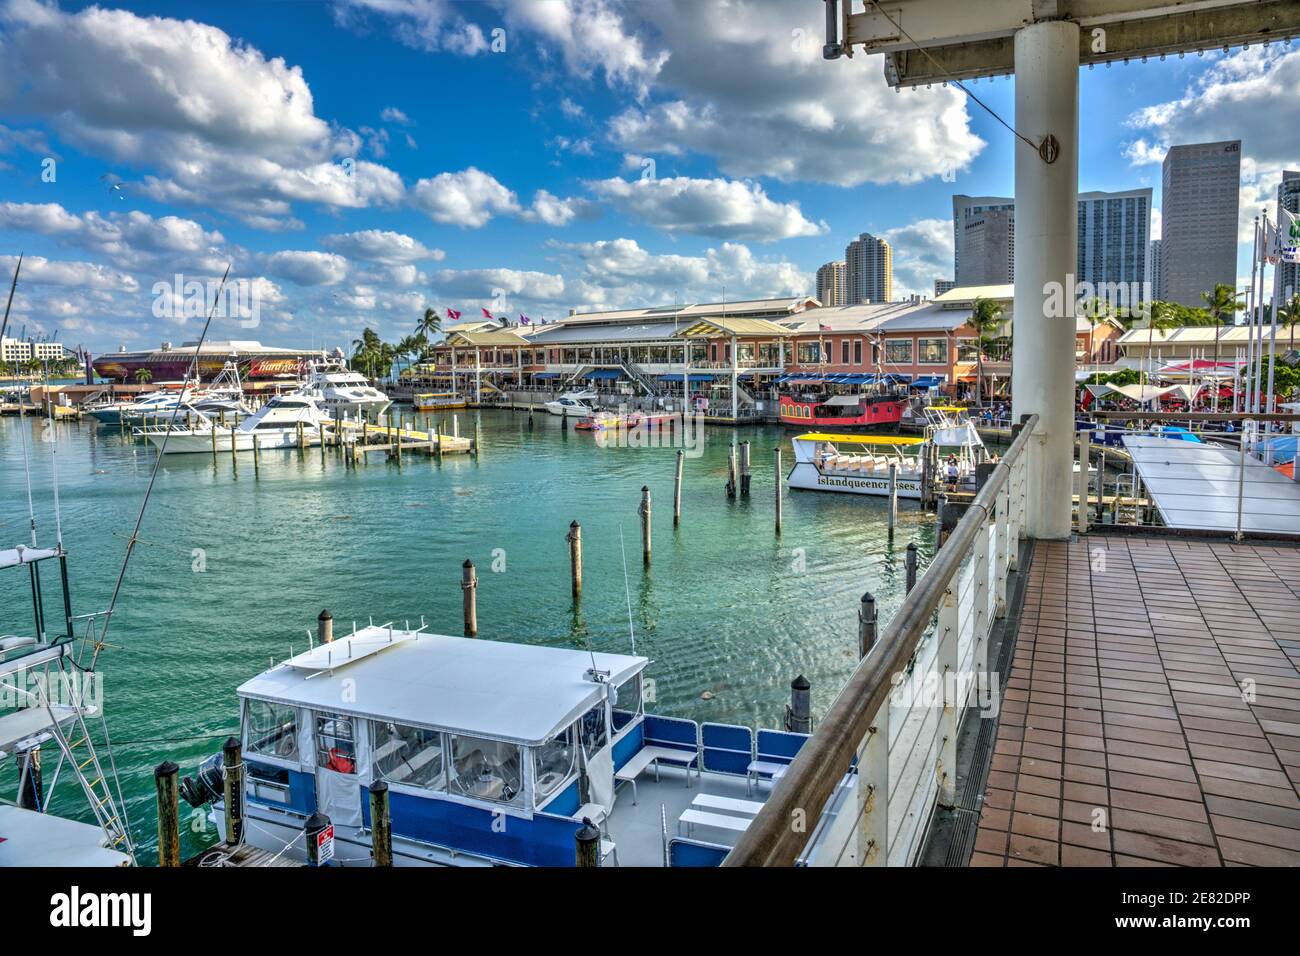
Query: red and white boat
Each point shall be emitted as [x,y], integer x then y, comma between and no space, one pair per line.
[843,411]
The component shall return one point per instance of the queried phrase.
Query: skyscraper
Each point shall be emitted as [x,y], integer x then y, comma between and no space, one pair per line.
[830,284]
[1153,267]
[943,285]
[1114,228]
[1288,197]
[1198,205]
[869,270]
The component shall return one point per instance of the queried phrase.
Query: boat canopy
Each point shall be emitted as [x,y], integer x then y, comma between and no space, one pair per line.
[861,439]
[521,693]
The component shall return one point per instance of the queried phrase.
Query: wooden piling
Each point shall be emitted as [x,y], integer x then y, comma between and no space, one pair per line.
[234,458]
[301,439]
[731,471]
[677,489]
[469,585]
[910,564]
[586,845]
[232,790]
[257,456]
[798,716]
[777,485]
[744,469]
[575,556]
[381,825]
[867,623]
[167,794]
[644,512]
[893,497]
[212,426]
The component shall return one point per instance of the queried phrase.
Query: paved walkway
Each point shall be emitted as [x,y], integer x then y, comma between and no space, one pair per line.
[1152,712]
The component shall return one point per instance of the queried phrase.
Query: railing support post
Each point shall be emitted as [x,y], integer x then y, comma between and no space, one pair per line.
[946,661]
[873,793]
[983,620]
[1002,526]
[1082,481]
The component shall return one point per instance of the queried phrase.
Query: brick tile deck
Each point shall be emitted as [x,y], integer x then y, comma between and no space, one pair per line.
[1152,712]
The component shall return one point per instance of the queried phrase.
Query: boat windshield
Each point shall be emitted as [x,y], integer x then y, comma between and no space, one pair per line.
[485,769]
[554,762]
[409,755]
[272,730]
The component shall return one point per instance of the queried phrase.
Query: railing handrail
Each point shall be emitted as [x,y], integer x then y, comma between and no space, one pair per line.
[807,786]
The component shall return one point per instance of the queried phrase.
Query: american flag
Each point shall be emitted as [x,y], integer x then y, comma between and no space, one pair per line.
[823,328]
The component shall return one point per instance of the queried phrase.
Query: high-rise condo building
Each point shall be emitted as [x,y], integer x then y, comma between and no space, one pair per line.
[830,284]
[1198,207]
[1288,197]
[869,270]
[1153,267]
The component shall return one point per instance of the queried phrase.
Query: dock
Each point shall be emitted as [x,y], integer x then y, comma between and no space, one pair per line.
[245,856]
[362,438]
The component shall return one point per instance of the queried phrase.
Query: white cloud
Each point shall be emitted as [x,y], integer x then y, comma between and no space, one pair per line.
[391,114]
[486,284]
[468,198]
[380,245]
[38,270]
[709,207]
[570,109]
[555,211]
[922,253]
[224,125]
[429,25]
[132,240]
[306,268]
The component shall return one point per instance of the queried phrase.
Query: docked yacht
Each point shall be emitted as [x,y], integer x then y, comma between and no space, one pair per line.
[577,404]
[493,753]
[275,425]
[343,392]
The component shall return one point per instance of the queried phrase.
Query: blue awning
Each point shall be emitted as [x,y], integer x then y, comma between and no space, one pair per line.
[694,376]
[928,381]
[545,374]
[895,378]
[603,374]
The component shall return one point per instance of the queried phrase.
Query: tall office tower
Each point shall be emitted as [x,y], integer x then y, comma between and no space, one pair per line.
[1153,268]
[830,284]
[988,248]
[1114,235]
[943,285]
[967,210]
[1288,197]
[1113,230]
[1198,205]
[869,270]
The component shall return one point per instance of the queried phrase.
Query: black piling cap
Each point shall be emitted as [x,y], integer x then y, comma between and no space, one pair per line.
[468,563]
[800,683]
[911,546]
[325,615]
[379,786]
[868,598]
[573,524]
[587,833]
[645,487]
[166,769]
[232,743]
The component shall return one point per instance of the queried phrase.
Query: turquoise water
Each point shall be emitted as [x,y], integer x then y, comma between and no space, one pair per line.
[726,608]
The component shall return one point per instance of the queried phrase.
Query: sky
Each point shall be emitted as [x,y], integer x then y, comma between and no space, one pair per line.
[355,162]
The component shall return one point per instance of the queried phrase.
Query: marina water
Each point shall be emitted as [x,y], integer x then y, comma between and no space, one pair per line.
[232,569]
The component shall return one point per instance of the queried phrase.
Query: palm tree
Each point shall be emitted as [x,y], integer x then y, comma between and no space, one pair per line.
[1290,316]
[143,375]
[1222,305]
[986,318]
[1163,317]
[429,326]
[366,351]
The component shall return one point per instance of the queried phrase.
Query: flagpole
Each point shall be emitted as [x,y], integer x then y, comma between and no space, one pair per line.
[1272,341]
[1252,306]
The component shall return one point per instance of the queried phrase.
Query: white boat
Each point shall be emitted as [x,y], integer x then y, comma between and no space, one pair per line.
[493,754]
[343,392]
[275,425]
[859,464]
[579,404]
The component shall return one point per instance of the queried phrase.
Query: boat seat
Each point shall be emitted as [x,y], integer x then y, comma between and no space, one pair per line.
[608,851]
[646,756]
[720,821]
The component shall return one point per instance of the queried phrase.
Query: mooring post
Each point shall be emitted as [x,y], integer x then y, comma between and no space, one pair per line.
[798,716]
[257,453]
[169,824]
[478,439]
[455,425]
[893,497]
[381,825]
[398,443]
[212,430]
[469,585]
[325,627]
[644,512]
[319,833]
[910,564]
[731,470]
[301,439]
[866,624]
[31,791]
[744,469]
[586,844]
[677,489]
[777,485]
[232,790]
[574,538]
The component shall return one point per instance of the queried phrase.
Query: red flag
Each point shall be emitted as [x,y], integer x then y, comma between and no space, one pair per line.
[824,328]
[453,315]
[487,314]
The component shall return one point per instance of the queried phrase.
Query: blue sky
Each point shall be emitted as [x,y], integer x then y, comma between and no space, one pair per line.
[357,161]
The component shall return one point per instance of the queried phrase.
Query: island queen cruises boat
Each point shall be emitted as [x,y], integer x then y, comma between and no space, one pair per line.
[859,464]
[494,753]
[275,425]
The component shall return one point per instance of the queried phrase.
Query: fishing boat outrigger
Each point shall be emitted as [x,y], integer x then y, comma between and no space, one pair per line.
[860,464]
[494,754]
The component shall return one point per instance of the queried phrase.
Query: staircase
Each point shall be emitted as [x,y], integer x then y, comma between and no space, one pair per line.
[638,375]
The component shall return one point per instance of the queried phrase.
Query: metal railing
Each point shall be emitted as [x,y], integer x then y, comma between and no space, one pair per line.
[862,790]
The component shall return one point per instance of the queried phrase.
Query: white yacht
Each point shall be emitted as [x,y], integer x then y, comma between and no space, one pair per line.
[579,404]
[275,425]
[341,391]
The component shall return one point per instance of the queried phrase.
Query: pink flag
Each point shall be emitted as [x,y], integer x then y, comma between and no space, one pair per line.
[487,314]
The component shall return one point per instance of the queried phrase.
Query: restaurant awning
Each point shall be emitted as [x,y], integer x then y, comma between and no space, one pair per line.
[694,376]
[546,374]
[928,381]
[603,374]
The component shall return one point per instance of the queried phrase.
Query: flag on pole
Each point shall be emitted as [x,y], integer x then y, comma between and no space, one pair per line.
[453,314]
[1286,238]
[486,313]
[524,320]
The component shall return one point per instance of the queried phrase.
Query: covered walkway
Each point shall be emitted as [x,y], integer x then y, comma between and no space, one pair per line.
[1152,711]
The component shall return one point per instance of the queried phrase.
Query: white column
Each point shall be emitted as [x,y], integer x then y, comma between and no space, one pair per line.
[1047,102]
[734,375]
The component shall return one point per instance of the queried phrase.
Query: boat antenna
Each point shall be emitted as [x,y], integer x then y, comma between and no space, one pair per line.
[153,475]
[627,589]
